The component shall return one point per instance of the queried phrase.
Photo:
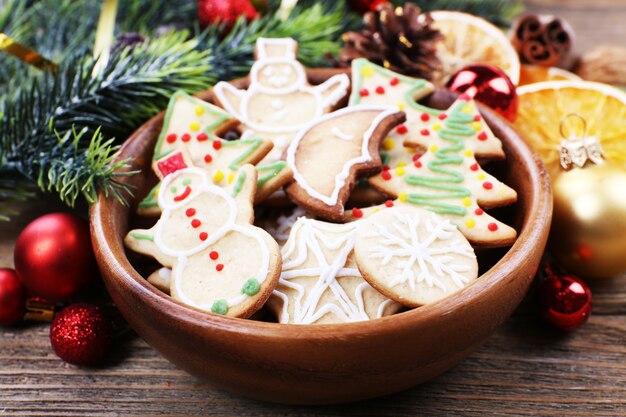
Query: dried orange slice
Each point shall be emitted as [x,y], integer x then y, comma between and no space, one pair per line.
[530,74]
[545,116]
[471,40]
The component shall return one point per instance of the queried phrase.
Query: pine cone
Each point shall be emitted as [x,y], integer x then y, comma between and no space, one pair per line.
[402,40]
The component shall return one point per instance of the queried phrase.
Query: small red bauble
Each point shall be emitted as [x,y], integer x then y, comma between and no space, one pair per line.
[489,85]
[225,12]
[12,298]
[81,334]
[565,301]
[364,6]
[54,258]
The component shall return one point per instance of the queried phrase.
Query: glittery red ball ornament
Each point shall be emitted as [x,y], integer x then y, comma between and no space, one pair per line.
[54,258]
[489,85]
[12,298]
[565,301]
[364,6]
[81,334]
[225,12]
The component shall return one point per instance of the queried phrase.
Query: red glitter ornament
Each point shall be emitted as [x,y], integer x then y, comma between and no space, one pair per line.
[12,298]
[53,256]
[564,300]
[489,85]
[81,334]
[225,12]
[364,6]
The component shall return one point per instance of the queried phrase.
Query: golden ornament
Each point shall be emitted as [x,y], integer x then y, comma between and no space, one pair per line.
[588,235]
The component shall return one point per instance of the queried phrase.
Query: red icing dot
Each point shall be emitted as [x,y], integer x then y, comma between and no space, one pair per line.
[190,212]
[425,117]
[380,90]
[219,267]
[474,167]
[389,203]
[386,175]
[492,227]
[208,158]
[214,255]
[217,145]
[364,92]
[478,212]
[477,118]
[417,164]
[464,97]
[203,236]
[385,167]
[171,138]
[487,185]
[196,223]
[186,137]
[417,156]
[394,81]
[202,137]
[442,116]
[357,212]
[402,129]
[482,136]
[424,132]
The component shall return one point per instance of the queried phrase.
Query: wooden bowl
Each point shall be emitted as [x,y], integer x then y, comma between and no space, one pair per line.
[324,364]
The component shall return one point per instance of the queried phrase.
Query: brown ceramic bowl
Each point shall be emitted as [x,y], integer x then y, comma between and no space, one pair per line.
[323,364]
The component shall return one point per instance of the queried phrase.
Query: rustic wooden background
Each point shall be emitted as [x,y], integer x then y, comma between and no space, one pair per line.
[524,369]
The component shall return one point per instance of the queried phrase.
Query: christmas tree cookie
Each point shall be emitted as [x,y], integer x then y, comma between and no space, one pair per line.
[191,137]
[279,99]
[219,261]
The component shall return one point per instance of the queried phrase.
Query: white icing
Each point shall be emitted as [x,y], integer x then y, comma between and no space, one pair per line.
[341,135]
[308,236]
[165,273]
[278,104]
[341,177]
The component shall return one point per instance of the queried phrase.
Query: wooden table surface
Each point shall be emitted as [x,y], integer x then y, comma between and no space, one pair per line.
[524,369]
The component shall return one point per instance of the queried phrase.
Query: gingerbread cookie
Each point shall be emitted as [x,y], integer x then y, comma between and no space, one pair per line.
[327,156]
[220,262]
[413,256]
[279,100]
[191,137]
[320,282]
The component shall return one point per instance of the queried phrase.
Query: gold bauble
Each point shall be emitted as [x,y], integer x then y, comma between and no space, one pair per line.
[588,235]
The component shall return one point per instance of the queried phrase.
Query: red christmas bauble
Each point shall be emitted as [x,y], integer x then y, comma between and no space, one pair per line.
[489,85]
[364,6]
[54,258]
[565,301]
[81,334]
[227,12]
[12,298]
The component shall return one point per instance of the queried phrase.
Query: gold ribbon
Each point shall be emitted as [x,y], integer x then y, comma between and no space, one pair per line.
[24,53]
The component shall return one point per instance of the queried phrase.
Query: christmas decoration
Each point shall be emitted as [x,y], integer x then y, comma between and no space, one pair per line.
[53,256]
[12,298]
[588,234]
[564,300]
[224,12]
[490,86]
[402,40]
[81,334]
[542,40]
[364,6]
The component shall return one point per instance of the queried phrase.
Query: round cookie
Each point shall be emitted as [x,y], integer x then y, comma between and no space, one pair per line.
[413,256]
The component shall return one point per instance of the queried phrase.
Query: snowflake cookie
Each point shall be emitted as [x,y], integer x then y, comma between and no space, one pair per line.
[219,261]
[413,256]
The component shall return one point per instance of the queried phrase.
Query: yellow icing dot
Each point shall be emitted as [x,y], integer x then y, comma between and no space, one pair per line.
[467,108]
[401,164]
[388,144]
[375,211]
[409,150]
[434,148]
[367,71]
[199,110]
[501,192]
[231,177]
[436,127]
[477,126]
[194,127]
[402,197]
[470,223]
[400,106]
[469,153]
[399,171]
[481,176]
[218,176]
[467,202]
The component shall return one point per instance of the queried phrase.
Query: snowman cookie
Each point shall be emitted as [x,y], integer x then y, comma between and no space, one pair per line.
[279,100]
[219,261]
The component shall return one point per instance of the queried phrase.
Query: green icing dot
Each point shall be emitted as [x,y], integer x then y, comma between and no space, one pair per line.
[173,189]
[220,307]
[187,181]
[251,287]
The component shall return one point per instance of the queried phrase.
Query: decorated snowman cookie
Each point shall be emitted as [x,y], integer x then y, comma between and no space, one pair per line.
[279,100]
[219,261]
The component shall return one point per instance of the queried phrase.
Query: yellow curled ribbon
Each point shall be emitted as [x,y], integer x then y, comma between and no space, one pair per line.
[24,53]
